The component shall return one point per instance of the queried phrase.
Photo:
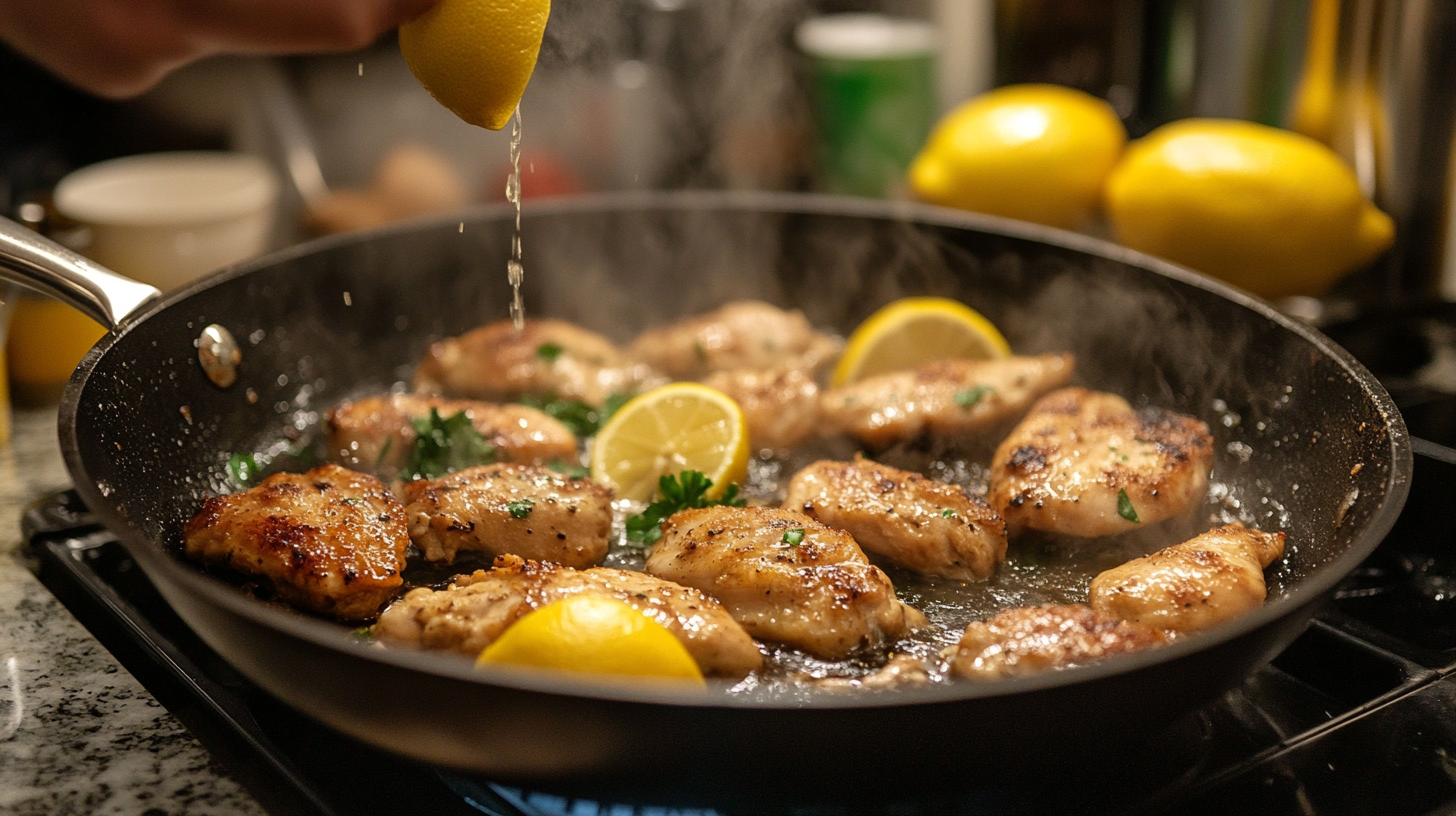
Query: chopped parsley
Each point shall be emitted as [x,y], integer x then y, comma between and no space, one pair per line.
[362,633]
[242,468]
[444,446]
[350,500]
[1125,508]
[549,351]
[794,537]
[968,398]
[681,492]
[581,418]
[520,509]
[568,469]
[701,352]
[947,513]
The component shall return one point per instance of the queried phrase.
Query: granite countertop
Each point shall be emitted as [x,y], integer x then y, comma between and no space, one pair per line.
[78,734]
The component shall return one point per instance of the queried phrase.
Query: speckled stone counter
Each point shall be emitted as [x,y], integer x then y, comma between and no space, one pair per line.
[78,734]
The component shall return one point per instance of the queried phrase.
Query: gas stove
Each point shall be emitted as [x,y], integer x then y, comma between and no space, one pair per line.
[1358,715]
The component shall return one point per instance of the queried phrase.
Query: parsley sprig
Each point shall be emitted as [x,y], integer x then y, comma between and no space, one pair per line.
[444,446]
[581,418]
[681,492]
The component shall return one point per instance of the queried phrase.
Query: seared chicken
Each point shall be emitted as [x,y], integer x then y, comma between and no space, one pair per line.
[377,433]
[1202,582]
[743,334]
[330,540]
[517,509]
[547,357]
[901,671]
[1029,640]
[780,406]
[1085,463]
[785,577]
[903,517]
[477,608]
[943,398]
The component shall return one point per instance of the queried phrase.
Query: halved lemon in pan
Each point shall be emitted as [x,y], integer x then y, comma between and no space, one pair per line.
[911,331]
[593,634]
[683,426]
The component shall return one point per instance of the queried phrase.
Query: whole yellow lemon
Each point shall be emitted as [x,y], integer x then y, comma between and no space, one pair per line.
[1034,152]
[476,56]
[1271,211]
[594,634]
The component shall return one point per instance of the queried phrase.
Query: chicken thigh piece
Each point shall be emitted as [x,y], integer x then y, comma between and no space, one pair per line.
[1084,463]
[475,609]
[1202,582]
[945,398]
[546,358]
[780,406]
[1029,640]
[785,577]
[511,509]
[917,523]
[330,540]
[742,334]
[376,434]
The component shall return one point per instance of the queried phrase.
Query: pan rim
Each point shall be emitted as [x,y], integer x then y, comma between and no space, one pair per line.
[327,635]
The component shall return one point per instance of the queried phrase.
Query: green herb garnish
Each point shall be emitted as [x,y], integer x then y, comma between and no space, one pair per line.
[947,513]
[520,509]
[549,351]
[444,446]
[794,537]
[362,633]
[242,468]
[969,397]
[570,471]
[681,492]
[350,501]
[1125,508]
[581,418]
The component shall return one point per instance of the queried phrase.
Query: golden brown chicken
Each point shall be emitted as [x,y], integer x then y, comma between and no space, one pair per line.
[330,540]
[1029,640]
[744,334]
[955,398]
[517,509]
[376,434]
[785,577]
[475,609]
[1200,583]
[909,520]
[780,406]
[1085,463]
[547,357]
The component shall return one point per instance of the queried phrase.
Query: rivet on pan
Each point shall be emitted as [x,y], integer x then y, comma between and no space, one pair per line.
[219,354]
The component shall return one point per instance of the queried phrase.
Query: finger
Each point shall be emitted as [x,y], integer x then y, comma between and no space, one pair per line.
[294,26]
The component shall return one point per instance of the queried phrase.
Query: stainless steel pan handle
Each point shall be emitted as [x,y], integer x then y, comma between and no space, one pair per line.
[36,262]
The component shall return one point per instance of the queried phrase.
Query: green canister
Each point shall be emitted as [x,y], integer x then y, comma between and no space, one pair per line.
[874,98]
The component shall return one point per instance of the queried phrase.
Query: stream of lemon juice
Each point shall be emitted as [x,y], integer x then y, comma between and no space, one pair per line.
[515,272]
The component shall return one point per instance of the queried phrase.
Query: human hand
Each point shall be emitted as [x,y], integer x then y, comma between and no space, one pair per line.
[119,48]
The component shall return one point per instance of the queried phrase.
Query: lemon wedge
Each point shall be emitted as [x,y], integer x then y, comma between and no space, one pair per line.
[593,634]
[911,331]
[683,426]
[476,56]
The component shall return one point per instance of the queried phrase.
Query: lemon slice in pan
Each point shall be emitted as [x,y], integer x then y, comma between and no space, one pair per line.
[911,331]
[683,426]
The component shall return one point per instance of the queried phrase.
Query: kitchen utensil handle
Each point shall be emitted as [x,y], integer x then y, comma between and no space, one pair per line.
[36,262]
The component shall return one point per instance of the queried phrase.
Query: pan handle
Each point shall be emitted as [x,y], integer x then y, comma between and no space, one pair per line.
[36,262]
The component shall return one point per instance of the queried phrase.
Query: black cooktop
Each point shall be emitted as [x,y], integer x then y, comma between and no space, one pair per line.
[1357,716]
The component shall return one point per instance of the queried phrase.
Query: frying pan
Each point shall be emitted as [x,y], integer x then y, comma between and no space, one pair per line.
[1307,441]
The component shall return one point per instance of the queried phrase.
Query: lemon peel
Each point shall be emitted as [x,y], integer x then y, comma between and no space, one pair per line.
[911,331]
[678,427]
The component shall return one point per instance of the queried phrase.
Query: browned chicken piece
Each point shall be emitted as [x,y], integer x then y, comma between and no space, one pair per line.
[477,608]
[330,540]
[785,577]
[1029,640]
[945,398]
[1085,463]
[511,509]
[911,521]
[902,671]
[376,434]
[780,406]
[1200,583]
[547,357]
[741,334]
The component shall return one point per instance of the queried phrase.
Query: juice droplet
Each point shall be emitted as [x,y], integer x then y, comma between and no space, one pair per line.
[515,272]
